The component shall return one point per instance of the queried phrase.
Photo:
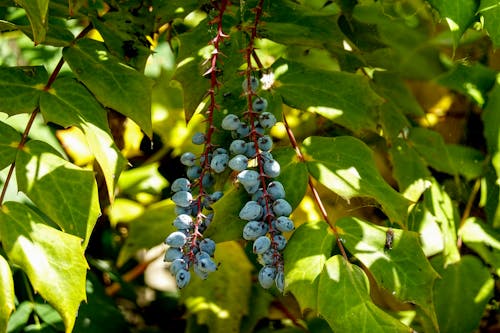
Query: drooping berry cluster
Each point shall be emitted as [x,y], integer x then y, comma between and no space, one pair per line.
[267,213]
[187,246]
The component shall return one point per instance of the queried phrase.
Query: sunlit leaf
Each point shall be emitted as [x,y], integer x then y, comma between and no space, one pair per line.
[490,10]
[37,11]
[20,88]
[399,266]
[484,240]
[61,190]
[7,295]
[461,294]
[220,302]
[53,260]
[9,139]
[114,84]
[345,165]
[346,99]
[68,103]
[145,178]
[344,300]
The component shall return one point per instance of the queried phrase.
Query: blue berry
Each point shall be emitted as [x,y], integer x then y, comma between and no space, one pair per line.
[254,229]
[230,122]
[242,131]
[177,265]
[172,253]
[261,244]
[238,163]
[248,177]
[254,84]
[182,278]
[198,138]
[259,104]
[251,211]
[237,147]
[276,190]
[252,188]
[272,168]
[182,198]
[281,207]
[280,242]
[207,245]
[182,210]
[208,180]
[176,239]
[193,172]
[219,162]
[250,150]
[267,120]
[188,159]
[205,263]
[180,184]
[220,151]
[183,221]
[280,281]
[284,224]
[265,143]
[216,196]
[268,257]
[266,276]
[202,274]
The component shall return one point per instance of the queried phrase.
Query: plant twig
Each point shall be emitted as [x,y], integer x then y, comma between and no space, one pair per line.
[468,208]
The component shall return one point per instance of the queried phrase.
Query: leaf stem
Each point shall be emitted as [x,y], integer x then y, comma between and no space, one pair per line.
[314,191]
[467,209]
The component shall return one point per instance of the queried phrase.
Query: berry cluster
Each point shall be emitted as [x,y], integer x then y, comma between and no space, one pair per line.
[267,212]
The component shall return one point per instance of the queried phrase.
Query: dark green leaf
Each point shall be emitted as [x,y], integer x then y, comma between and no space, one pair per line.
[49,316]
[293,176]
[431,146]
[468,161]
[490,10]
[219,302]
[64,192]
[68,103]
[344,300]
[345,165]
[401,268]
[37,11]
[474,81]
[346,99]
[53,260]
[484,240]
[409,170]
[20,88]
[7,295]
[458,14]
[114,84]
[461,294]
[148,230]
[9,139]
[305,256]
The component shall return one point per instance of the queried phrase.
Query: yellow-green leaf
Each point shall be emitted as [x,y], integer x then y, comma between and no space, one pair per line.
[53,260]
[37,11]
[7,295]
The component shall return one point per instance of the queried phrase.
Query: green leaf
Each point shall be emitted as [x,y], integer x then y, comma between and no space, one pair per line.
[344,300]
[344,98]
[440,207]
[220,302]
[148,230]
[37,11]
[484,240]
[145,178]
[458,14]
[289,22]
[473,80]
[468,161]
[305,255]
[20,88]
[20,317]
[491,119]
[7,295]
[9,139]
[64,192]
[68,103]
[53,260]
[391,87]
[402,270]
[114,84]
[226,224]
[461,295]
[346,166]
[490,10]
[293,176]
[409,170]
[424,223]
[49,316]
[394,123]
[431,146]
